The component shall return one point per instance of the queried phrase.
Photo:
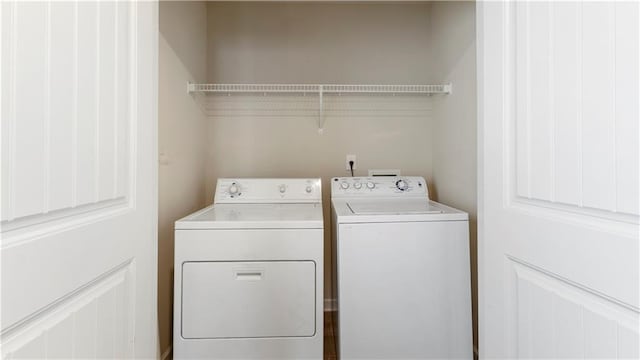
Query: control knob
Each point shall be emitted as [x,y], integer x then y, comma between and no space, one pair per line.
[282,188]
[234,189]
[308,189]
[344,185]
[371,185]
[402,185]
[357,185]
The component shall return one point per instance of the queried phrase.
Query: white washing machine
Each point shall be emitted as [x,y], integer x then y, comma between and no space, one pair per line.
[249,273]
[402,279]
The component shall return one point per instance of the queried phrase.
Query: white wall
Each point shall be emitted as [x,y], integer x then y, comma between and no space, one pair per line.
[317,43]
[182,137]
[454,116]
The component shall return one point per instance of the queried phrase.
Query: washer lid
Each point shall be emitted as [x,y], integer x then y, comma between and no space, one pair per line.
[393,207]
[255,216]
[352,211]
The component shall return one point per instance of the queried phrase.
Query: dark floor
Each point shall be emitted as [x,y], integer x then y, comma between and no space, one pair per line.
[329,340]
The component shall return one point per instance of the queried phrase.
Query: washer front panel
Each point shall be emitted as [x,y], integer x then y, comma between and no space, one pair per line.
[404,290]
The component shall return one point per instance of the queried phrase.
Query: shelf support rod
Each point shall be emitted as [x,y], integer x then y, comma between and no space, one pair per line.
[320,110]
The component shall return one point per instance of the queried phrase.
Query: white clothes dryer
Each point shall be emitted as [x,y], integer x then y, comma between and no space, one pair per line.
[402,280]
[248,279]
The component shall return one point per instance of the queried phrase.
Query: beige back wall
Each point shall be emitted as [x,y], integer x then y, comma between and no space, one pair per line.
[181,143]
[453,41]
[318,43]
[183,24]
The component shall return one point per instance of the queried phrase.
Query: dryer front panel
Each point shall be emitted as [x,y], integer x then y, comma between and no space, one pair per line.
[248,299]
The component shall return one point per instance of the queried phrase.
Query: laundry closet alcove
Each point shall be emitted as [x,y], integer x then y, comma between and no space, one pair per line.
[261,130]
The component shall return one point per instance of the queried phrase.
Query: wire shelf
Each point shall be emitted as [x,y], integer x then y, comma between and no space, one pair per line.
[318,89]
[388,89]
[252,88]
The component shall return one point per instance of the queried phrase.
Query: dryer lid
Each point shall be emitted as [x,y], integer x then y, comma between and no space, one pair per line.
[252,216]
[393,207]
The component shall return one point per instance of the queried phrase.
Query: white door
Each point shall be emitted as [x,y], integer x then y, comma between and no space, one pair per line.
[78,107]
[558,247]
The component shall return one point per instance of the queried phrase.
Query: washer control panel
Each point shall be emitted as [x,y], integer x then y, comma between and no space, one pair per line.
[267,191]
[379,186]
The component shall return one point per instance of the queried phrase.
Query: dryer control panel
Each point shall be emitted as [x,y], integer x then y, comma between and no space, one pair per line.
[267,191]
[380,186]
